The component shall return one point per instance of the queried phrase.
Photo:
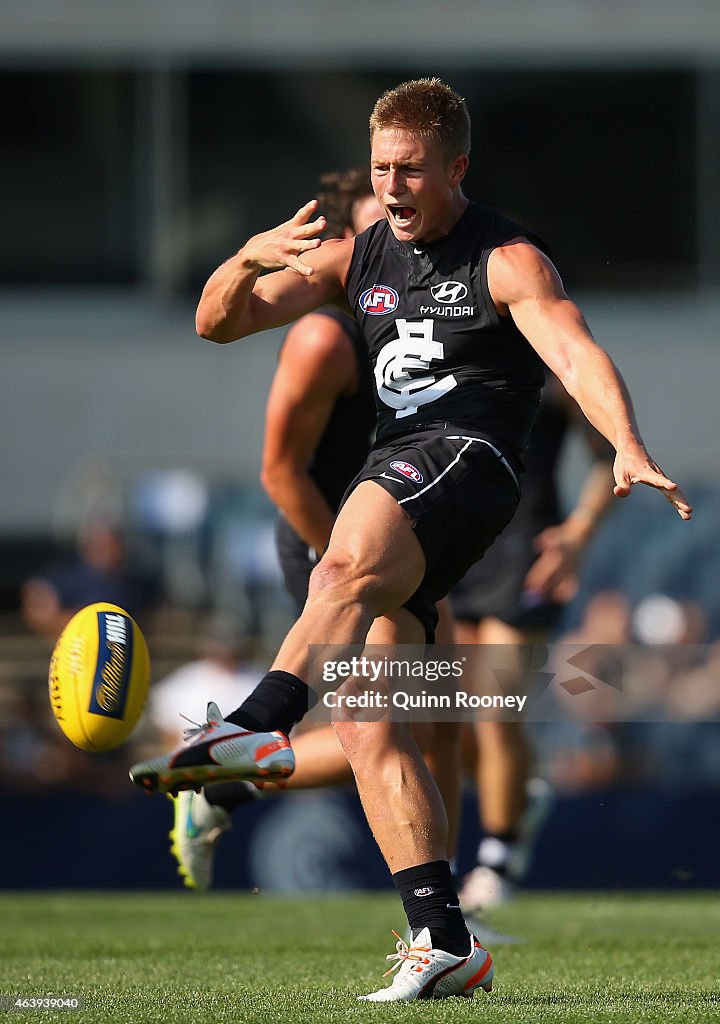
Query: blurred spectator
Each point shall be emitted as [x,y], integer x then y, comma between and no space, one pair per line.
[35,755]
[606,620]
[645,704]
[660,619]
[227,672]
[99,572]
[171,508]
[583,751]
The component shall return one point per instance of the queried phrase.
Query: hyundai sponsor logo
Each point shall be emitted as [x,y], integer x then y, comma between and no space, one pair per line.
[449,291]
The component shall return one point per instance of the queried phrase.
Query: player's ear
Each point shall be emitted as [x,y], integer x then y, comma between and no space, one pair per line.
[458,169]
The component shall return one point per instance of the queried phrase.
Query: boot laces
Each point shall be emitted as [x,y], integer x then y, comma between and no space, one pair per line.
[197,729]
[406,955]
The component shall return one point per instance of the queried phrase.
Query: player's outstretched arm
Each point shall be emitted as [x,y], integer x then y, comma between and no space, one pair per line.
[524,283]
[237,301]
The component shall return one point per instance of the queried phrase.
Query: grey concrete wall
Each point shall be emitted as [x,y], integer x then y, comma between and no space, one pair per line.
[372,32]
[132,384]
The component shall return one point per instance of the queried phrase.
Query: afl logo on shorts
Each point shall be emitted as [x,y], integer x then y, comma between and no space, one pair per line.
[379,300]
[407,470]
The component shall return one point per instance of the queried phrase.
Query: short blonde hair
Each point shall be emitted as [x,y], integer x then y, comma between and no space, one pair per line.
[429,109]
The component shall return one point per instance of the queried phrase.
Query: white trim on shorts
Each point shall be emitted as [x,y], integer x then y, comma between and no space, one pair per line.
[458,437]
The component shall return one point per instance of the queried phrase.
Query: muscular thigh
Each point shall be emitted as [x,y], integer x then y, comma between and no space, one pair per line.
[457,493]
[373,542]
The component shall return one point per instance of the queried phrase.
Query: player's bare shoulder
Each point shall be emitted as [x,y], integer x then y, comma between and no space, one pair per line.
[322,282]
[317,348]
[332,256]
[518,270]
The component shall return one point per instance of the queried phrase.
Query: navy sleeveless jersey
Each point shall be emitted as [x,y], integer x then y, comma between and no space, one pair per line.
[440,352]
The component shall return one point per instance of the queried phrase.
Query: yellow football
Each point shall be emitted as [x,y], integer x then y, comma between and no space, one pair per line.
[99,677]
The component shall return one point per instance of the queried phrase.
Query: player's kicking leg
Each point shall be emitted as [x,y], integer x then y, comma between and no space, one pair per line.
[219,750]
[367,573]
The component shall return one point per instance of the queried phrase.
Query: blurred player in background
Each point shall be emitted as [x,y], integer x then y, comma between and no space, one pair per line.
[319,423]
[320,416]
[515,596]
[459,307]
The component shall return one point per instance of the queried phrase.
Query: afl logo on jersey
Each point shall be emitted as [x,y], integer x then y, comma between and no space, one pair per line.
[407,470]
[379,300]
[449,291]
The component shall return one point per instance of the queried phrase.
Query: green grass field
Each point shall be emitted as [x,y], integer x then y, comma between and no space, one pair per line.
[227,957]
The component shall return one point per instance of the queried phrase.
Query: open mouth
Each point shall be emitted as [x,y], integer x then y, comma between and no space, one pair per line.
[402,215]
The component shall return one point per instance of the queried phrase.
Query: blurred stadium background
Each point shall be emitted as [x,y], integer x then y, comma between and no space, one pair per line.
[142,143]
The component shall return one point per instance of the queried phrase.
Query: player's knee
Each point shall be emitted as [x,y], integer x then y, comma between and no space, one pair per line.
[368,742]
[341,578]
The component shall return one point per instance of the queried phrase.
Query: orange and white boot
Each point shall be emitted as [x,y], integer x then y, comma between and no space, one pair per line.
[427,973]
[220,751]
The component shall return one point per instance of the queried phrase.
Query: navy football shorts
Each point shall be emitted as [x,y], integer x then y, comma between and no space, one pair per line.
[458,491]
[495,586]
[297,561]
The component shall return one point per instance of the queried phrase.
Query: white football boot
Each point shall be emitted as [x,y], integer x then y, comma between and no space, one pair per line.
[197,827]
[220,751]
[483,889]
[427,973]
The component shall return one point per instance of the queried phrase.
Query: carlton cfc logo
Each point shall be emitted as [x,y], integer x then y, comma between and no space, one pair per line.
[379,300]
[407,470]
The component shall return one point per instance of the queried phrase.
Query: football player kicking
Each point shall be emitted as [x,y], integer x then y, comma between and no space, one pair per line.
[459,307]
[320,419]
[513,596]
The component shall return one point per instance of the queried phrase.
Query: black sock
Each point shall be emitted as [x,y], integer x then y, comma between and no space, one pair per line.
[495,849]
[279,701]
[430,901]
[230,795]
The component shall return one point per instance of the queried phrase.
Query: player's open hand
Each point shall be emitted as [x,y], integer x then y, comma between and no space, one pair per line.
[553,575]
[643,470]
[284,245]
